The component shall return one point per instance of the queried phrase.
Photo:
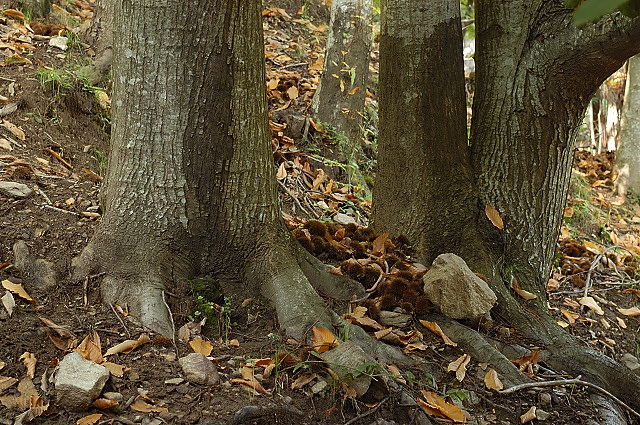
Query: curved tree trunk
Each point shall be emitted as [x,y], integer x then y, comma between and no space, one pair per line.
[535,73]
[190,188]
[628,153]
[339,99]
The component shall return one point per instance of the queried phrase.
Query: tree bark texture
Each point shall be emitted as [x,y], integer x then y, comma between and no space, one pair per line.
[100,35]
[628,153]
[339,99]
[190,188]
[535,73]
[424,186]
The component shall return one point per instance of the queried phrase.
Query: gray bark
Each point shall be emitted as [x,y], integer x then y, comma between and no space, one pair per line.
[339,99]
[187,191]
[100,35]
[424,186]
[628,153]
[535,73]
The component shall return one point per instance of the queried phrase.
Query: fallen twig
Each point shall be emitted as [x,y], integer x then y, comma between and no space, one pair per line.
[297,201]
[568,382]
[51,207]
[59,158]
[119,319]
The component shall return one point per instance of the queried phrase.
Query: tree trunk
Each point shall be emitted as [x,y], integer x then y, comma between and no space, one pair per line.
[100,35]
[535,73]
[424,186]
[628,153]
[190,188]
[339,99]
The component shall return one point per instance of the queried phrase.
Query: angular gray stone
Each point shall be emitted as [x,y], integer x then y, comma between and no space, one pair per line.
[79,382]
[344,219]
[15,190]
[630,361]
[455,290]
[394,319]
[36,271]
[198,369]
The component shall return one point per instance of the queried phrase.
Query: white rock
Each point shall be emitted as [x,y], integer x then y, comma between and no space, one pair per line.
[630,361]
[344,219]
[455,290]
[79,382]
[15,190]
[59,42]
[199,369]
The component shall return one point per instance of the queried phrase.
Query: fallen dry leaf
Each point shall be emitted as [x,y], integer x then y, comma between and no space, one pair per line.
[621,322]
[571,316]
[17,131]
[631,312]
[515,285]
[60,330]
[128,346]
[142,406]
[494,216]
[13,13]
[528,416]
[302,381]
[434,405]
[378,244]
[5,144]
[201,346]
[89,419]
[592,304]
[492,382]
[29,361]
[253,384]
[6,382]
[115,369]
[104,403]
[18,290]
[435,328]
[459,366]
[91,349]
[8,302]
[323,340]
[525,363]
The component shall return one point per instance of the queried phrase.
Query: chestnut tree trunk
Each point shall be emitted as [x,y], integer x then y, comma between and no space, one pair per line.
[628,153]
[190,189]
[535,73]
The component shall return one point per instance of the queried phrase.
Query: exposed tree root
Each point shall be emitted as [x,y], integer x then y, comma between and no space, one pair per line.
[476,345]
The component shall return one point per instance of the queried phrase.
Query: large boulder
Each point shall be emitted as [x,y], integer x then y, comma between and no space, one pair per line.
[455,290]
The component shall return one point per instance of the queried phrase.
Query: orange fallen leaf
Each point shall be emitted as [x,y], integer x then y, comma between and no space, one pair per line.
[292,92]
[104,403]
[60,330]
[378,244]
[201,346]
[571,316]
[302,381]
[525,363]
[91,349]
[254,385]
[17,131]
[89,419]
[433,403]
[494,216]
[142,406]
[323,339]
[435,328]
[515,285]
[115,369]
[492,382]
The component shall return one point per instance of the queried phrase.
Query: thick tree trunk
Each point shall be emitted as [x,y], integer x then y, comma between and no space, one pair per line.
[628,153]
[339,99]
[190,188]
[535,73]
[424,186]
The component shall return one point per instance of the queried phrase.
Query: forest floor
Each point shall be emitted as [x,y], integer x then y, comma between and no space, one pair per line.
[56,143]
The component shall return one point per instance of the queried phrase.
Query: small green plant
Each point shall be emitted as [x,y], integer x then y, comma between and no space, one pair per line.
[102,162]
[211,305]
[58,81]
[457,394]
[73,42]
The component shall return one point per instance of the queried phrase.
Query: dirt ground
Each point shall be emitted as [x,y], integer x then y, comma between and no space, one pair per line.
[54,223]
